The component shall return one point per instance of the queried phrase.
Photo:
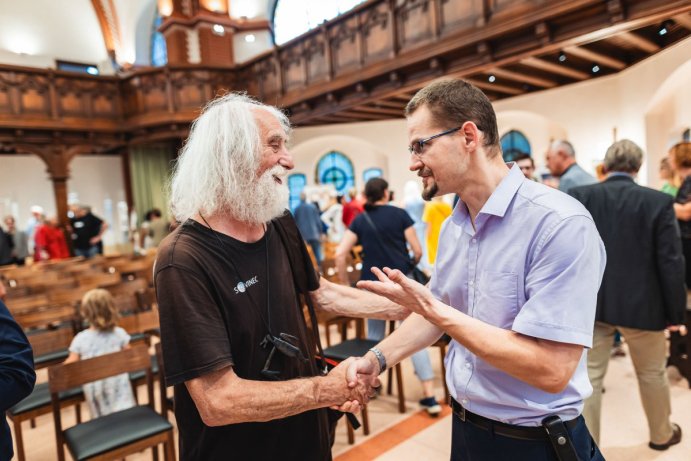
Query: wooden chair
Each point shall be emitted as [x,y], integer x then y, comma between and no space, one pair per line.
[167,403]
[49,316]
[99,280]
[38,402]
[118,434]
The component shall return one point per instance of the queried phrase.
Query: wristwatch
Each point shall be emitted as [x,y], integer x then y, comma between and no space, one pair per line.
[380,359]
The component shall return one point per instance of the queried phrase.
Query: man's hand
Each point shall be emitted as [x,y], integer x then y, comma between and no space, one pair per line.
[94,240]
[678,328]
[395,286]
[361,378]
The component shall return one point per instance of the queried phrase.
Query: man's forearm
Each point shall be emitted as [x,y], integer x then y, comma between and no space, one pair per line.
[547,365]
[338,299]
[414,334]
[224,398]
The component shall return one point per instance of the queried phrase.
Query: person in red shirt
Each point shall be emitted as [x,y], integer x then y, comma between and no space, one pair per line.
[50,241]
[352,208]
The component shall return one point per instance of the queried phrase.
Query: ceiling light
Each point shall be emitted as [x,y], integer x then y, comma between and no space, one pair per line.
[92,70]
[250,38]
[596,69]
[492,79]
[562,57]
[664,28]
[219,30]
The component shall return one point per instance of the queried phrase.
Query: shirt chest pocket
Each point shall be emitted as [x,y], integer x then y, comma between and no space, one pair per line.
[496,298]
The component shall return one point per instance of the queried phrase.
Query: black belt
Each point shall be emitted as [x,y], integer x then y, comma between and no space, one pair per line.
[507,430]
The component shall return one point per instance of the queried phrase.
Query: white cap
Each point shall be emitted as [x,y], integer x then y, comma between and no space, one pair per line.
[36,209]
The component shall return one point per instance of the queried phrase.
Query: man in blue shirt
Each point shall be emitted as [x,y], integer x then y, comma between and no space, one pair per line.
[515,286]
[310,224]
[17,375]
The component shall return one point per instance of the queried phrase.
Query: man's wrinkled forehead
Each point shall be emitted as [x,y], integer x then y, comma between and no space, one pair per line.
[269,125]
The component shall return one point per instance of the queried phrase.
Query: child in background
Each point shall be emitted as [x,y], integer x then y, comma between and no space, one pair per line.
[102,337]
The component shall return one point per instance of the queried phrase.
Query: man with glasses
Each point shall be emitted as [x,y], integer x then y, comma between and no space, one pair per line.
[515,286]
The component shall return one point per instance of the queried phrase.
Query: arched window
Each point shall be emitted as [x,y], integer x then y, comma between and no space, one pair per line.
[296,182]
[335,168]
[513,144]
[295,17]
[159,52]
[370,173]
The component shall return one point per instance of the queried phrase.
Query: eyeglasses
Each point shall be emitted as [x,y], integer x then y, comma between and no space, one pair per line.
[282,343]
[417,147]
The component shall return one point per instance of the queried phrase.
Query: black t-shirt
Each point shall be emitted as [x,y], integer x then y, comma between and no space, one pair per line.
[388,249]
[211,319]
[683,196]
[84,229]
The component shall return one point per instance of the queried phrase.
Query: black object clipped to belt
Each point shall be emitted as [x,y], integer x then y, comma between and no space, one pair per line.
[560,438]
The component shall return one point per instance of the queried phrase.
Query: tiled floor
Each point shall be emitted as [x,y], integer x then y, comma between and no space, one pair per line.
[415,436]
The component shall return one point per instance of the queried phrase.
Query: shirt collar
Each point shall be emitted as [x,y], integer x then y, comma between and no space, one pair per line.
[499,201]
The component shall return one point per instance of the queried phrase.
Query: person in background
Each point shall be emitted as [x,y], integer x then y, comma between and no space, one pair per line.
[642,290]
[669,176]
[351,208]
[87,232]
[6,246]
[50,242]
[102,337]
[17,375]
[415,206]
[20,241]
[332,218]
[32,225]
[383,231]
[154,229]
[527,165]
[561,162]
[436,212]
[680,161]
[310,224]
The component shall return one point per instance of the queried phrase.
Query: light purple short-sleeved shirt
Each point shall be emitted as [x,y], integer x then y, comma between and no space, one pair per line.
[533,265]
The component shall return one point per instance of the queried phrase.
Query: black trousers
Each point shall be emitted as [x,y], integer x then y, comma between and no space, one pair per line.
[473,443]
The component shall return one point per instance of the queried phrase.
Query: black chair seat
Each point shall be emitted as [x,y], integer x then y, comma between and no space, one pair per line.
[57,356]
[141,374]
[349,348]
[112,431]
[40,397]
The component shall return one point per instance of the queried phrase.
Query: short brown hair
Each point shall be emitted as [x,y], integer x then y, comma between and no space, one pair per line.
[682,154]
[453,102]
[98,308]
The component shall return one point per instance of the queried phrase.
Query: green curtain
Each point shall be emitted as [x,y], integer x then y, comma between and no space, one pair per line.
[150,169]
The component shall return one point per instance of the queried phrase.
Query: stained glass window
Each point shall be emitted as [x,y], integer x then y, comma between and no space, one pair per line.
[159,52]
[513,144]
[335,168]
[371,173]
[296,182]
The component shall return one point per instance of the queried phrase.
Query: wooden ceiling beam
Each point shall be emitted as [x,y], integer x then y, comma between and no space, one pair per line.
[683,20]
[559,69]
[495,87]
[379,110]
[639,42]
[392,104]
[523,78]
[362,117]
[596,57]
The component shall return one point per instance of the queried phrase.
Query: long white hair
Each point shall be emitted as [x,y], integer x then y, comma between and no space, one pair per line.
[219,161]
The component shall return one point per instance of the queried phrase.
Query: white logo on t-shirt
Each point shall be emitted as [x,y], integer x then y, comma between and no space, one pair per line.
[242,287]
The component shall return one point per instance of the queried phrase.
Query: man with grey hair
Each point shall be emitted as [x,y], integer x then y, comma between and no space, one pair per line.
[229,282]
[561,162]
[642,291]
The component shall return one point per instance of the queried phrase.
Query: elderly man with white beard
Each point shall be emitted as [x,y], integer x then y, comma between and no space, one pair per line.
[236,346]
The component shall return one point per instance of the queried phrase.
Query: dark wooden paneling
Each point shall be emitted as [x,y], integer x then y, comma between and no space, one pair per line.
[376,33]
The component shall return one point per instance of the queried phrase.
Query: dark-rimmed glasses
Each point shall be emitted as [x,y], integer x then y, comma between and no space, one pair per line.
[417,146]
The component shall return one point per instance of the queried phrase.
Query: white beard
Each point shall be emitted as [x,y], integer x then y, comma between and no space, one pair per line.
[263,200]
